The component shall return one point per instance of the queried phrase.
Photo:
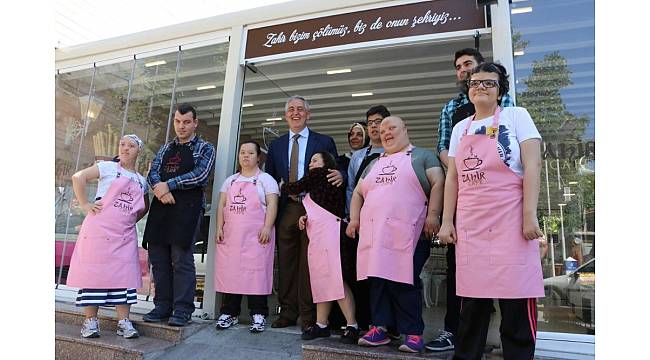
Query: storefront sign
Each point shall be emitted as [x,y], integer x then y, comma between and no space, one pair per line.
[423,18]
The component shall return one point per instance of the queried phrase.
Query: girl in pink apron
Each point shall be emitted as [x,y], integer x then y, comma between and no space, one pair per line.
[245,239]
[325,207]
[493,186]
[105,262]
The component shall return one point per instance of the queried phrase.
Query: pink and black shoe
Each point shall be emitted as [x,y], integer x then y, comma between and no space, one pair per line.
[413,344]
[374,337]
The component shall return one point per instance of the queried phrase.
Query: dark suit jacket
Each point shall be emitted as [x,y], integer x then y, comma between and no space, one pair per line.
[277,157]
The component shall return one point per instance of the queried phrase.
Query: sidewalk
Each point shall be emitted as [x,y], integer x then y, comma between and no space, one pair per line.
[203,341]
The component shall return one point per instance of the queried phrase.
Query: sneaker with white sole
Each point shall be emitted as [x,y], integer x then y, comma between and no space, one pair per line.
[90,328]
[225,321]
[259,322]
[125,329]
[444,342]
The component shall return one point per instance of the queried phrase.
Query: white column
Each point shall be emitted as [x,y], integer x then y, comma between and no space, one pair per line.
[502,40]
[226,153]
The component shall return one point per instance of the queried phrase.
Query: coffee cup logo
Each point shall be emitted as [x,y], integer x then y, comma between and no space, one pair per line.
[126,197]
[472,162]
[389,169]
[239,199]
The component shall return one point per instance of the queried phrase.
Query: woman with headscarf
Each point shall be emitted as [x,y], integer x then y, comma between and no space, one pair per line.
[105,262]
[357,139]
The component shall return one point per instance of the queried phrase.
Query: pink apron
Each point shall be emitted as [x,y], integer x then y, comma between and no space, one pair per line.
[323,252]
[493,259]
[392,218]
[106,251]
[243,265]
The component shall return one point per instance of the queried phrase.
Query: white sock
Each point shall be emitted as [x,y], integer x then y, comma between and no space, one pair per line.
[354,325]
[321,325]
[383,328]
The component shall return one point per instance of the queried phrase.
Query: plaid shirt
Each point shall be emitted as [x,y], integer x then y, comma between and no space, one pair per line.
[203,154]
[444,127]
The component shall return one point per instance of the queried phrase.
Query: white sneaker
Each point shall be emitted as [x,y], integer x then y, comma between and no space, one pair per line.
[225,321]
[125,328]
[90,328]
[259,322]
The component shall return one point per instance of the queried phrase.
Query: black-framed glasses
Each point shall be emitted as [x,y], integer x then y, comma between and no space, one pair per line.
[374,122]
[489,83]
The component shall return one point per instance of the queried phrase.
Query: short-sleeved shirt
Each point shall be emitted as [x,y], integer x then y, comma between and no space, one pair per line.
[265,185]
[515,126]
[108,173]
[422,160]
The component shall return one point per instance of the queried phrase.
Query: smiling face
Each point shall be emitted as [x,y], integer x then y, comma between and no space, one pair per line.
[464,66]
[482,96]
[184,125]
[296,115]
[128,150]
[394,136]
[248,158]
[373,127]
[355,138]
[316,162]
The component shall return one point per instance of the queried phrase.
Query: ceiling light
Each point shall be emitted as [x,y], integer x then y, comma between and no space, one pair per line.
[362,94]
[268,123]
[154,63]
[522,10]
[274,119]
[518,53]
[561,204]
[206,87]
[573,183]
[339,71]
[246,105]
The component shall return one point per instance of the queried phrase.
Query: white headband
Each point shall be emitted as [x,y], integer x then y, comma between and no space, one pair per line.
[135,138]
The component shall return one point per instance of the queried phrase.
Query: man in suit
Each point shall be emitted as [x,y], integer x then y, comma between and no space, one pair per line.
[287,160]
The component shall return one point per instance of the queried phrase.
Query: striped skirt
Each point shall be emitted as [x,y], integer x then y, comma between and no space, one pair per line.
[106,297]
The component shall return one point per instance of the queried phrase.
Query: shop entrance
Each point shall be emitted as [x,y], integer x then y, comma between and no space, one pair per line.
[414,81]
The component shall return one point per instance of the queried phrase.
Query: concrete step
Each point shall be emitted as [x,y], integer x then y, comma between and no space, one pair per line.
[332,349]
[69,314]
[69,345]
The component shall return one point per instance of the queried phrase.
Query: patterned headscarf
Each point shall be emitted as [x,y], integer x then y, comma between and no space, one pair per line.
[135,138]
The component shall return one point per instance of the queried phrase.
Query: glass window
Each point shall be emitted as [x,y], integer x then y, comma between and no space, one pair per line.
[553,48]
[71,90]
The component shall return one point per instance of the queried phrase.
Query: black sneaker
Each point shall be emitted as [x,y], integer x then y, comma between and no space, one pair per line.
[179,319]
[350,335]
[315,331]
[155,315]
[444,342]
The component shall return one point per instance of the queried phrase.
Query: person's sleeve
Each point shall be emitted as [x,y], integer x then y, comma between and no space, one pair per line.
[144,183]
[224,186]
[269,165]
[331,148]
[430,159]
[524,126]
[106,168]
[269,184]
[507,101]
[444,129]
[302,185]
[349,189]
[199,174]
[455,138]
[154,172]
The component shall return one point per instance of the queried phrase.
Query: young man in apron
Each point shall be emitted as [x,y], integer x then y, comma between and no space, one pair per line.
[178,176]
[400,194]
[456,110]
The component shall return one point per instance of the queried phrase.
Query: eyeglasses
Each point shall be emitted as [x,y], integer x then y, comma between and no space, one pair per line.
[374,122]
[486,83]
